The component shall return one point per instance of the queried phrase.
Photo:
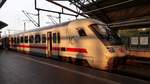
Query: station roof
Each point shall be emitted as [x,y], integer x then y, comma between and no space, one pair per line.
[2,24]
[117,13]
[2,2]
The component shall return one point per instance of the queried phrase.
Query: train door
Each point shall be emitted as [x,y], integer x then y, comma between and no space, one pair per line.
[49,43]
[55,44]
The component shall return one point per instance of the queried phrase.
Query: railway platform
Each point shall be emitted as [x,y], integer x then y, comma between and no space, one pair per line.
[17,68]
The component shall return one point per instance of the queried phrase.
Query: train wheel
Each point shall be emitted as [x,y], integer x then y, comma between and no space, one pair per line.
[116,64]
[64,59]
[85,63]
[70,60]
[112,64]
[60,58]
[73,60]
[67,59]
[78,61]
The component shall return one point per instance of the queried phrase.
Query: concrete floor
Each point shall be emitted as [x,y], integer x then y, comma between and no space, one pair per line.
[16,68]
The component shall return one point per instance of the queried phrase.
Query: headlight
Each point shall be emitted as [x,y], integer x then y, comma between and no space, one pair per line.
[111,49]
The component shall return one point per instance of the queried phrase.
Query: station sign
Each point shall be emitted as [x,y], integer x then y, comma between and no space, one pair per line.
[134,41]
[144,40]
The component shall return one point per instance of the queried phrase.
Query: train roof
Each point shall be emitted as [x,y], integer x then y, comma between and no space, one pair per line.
[52,26]
[46,27]
[49,27]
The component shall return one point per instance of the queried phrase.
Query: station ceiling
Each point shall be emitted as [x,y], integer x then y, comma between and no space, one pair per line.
[117,13]
[2,2]
[2,24]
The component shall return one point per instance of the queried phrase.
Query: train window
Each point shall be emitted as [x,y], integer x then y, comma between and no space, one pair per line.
[43,38]
[26,39]
[54,38]
[31,39]
[37,38]
[104,33]
[17,39]
[58,35]
[100,29]
[21,40]
[11,39]
[82,32]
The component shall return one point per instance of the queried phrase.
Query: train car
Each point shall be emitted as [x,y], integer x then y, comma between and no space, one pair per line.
[84,41]
[0,40]
[0,43]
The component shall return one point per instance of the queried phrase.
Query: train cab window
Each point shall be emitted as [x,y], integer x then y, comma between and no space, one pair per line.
[26,39]
[82,32]
[21,40]
[31,39]
[105,34]
[37,38]
[43,38]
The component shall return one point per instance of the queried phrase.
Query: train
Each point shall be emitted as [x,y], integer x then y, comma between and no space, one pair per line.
[0,40]
[87,42]
[0,43]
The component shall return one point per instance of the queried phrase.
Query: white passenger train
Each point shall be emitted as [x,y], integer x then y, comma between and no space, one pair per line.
[0,40]
[0,43]
[85,41]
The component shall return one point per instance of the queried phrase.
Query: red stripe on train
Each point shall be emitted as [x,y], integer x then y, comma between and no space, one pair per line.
[81,50]
[29,46]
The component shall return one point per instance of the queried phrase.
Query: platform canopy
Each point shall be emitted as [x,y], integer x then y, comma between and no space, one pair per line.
[120,14]
[2,24]
[2,2]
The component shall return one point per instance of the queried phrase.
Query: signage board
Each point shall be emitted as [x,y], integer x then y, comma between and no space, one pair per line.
[134,40]
[144,40]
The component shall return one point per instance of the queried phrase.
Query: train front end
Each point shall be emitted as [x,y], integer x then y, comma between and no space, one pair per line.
[111,50]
